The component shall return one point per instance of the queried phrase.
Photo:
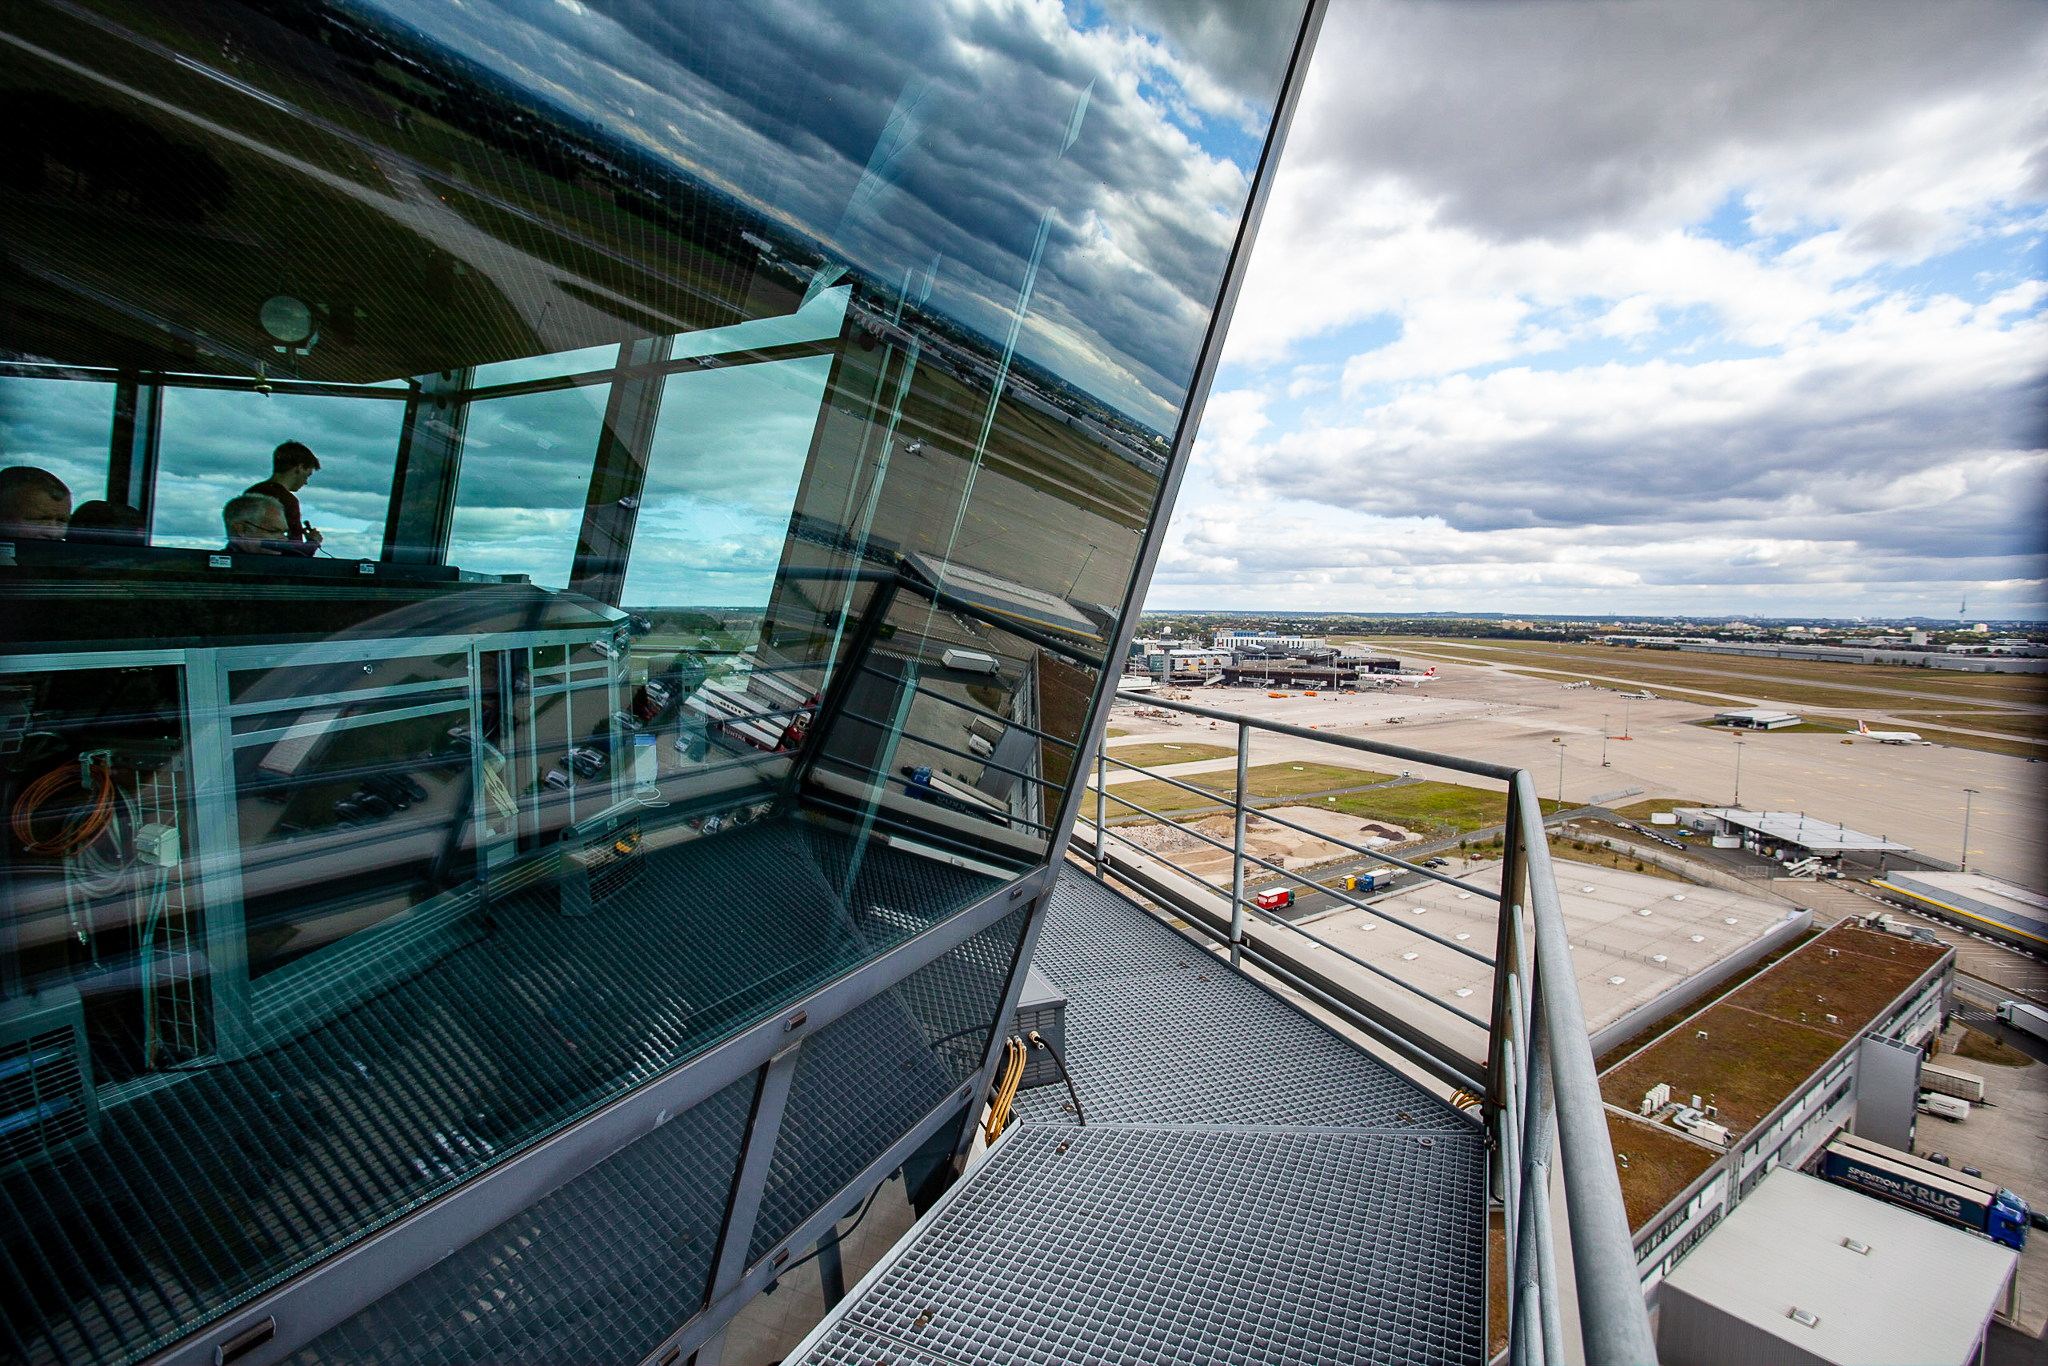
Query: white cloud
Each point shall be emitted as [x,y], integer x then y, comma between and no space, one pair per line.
[1641,302]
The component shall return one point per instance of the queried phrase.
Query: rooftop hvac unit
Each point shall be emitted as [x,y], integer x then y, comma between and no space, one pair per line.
[600,859]
[1042,1007]
[47,1105]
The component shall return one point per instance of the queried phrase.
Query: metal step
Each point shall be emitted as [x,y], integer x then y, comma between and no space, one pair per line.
[1249,1186]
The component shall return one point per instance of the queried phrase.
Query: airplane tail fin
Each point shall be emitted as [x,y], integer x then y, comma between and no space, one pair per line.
[1862,726]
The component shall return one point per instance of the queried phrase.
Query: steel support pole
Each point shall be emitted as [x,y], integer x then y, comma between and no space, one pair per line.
[1101,812]
[1612,1318]
[1244,749]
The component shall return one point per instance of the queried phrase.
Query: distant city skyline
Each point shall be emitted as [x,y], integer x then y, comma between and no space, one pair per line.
[1641,308]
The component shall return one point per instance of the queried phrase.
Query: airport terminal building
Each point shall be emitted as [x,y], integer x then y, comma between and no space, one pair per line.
[557,560]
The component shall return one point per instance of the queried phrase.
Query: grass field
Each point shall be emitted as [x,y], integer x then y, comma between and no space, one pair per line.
[1263,780]
[1439,809]
[1585,851]
[1981,1047]
[1941,704]
[1152,756]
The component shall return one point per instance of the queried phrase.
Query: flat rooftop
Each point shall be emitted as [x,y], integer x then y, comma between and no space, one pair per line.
[1634,937]
[1976,895]
[1798,828]
[1880,1283]
[1763,1040]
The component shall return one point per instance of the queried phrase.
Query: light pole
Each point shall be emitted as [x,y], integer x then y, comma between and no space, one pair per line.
[1561,747]
[1626,703]
[1738,769]
[1969,797]
[1604,737]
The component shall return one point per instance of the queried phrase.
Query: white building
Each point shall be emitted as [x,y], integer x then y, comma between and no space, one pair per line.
[1804,1271]
[1266,641]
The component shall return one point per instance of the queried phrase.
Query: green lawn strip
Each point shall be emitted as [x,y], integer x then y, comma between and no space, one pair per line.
[1431,808]
[1152,756]
[1263,781]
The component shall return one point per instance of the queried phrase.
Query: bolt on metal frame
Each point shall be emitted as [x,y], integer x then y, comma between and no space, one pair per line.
[1538,1092]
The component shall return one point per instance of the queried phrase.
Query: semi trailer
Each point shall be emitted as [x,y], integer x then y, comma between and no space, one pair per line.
[1937,1192]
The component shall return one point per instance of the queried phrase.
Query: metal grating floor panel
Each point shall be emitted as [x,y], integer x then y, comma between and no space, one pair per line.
[1160,1031]
[198,1194]
[1250,1186]
[1164,1245]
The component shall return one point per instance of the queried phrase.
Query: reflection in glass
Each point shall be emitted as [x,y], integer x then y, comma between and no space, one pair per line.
[60,426]
[217,443]
[734,464]
[722,479]
[525,478]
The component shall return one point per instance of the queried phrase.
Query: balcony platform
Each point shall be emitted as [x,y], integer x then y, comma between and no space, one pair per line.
[1249,1186]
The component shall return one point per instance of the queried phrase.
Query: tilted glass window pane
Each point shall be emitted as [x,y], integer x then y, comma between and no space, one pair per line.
[603,1269]
[723,471]
[60,426]
[733,463]
[217,444]
[525,478]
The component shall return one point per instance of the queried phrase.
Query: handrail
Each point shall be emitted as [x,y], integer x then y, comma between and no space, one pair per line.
[1540,1091]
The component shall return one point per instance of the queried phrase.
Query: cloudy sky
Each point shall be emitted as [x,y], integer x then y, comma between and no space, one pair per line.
[1649,307]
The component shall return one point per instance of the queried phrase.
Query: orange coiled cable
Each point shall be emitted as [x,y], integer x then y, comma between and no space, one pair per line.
[83,828]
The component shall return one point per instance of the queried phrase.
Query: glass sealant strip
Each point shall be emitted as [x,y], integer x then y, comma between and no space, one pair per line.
[1355,904]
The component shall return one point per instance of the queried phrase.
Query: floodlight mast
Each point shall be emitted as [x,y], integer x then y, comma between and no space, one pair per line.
[1969,799]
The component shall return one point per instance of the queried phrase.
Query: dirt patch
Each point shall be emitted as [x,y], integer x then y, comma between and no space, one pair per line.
[1654,1164]
[1589,851]
[1981,1047]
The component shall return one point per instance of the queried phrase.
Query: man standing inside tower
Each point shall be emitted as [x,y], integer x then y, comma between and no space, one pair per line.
[291,465]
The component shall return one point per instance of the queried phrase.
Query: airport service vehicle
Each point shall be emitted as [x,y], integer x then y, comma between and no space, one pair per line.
[1954,1109]
[1935,1191]
[1275,899]
[2028,1019]
[1888,737]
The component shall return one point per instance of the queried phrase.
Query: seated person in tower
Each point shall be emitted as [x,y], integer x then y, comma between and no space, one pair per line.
[101,522]
[35,505]
[255,525]
[291,465]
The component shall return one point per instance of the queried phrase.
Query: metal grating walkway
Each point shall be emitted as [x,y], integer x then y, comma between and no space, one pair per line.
[1250,1186]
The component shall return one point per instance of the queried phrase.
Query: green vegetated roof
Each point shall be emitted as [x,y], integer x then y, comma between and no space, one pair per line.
[1762,1042]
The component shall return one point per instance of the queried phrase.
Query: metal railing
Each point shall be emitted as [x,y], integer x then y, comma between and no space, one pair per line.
[1536,1087]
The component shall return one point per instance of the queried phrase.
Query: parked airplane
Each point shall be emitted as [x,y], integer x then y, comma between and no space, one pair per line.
[1888,737]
